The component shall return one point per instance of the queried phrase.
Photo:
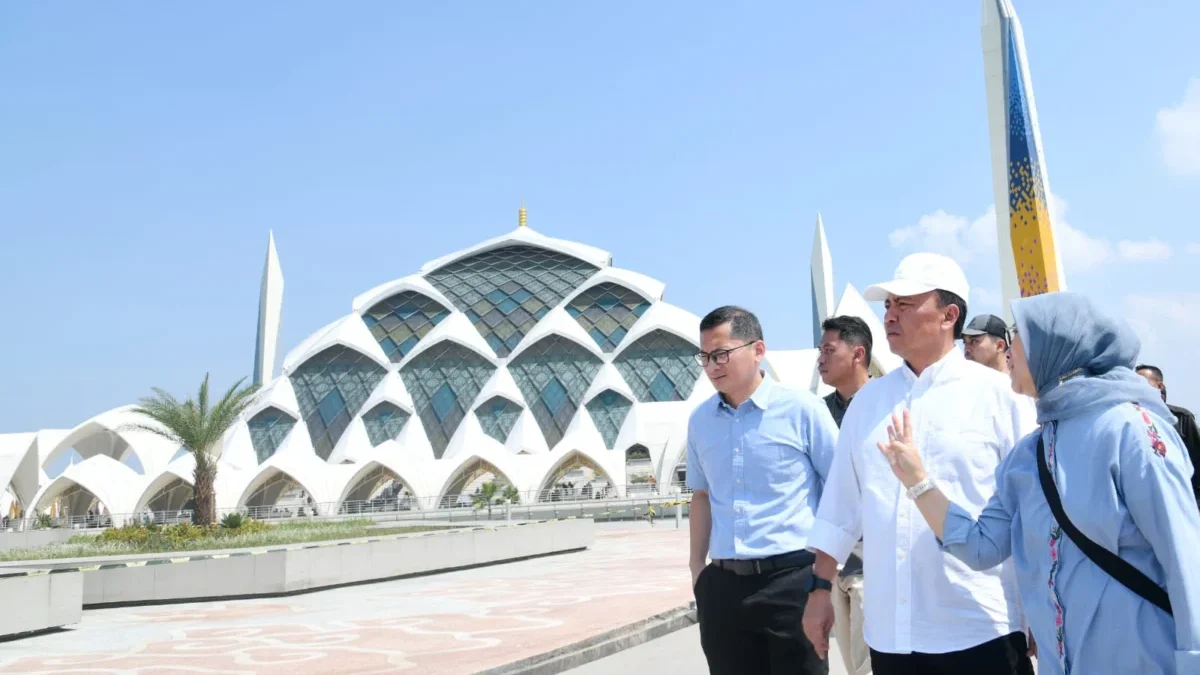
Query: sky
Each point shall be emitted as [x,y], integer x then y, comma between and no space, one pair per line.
[146,149]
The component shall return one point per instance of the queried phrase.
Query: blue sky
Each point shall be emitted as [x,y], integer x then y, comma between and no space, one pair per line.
[148,148]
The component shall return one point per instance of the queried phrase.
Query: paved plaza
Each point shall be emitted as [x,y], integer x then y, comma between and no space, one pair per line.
[460,622]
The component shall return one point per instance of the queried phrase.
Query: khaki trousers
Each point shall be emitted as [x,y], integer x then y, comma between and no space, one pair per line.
[848,624]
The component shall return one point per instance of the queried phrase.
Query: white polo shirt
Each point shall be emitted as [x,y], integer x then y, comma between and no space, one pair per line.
[915,597]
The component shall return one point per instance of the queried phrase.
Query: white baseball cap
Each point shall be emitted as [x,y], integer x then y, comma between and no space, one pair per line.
[921,273]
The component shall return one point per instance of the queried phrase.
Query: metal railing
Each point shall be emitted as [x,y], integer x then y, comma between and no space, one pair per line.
[609,503]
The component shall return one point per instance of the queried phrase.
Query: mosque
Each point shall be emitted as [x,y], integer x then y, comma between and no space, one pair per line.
[526,360]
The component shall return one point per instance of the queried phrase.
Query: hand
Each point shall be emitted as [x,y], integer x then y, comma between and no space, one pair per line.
[1032,653]
[901,454]
[818,621]
[696,570]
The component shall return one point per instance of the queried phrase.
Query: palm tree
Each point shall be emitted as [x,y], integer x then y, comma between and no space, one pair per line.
[197,427]
[511,495]
[485,495]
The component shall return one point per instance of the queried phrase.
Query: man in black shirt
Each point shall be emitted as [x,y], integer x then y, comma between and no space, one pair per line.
[844,364]
[1185,422]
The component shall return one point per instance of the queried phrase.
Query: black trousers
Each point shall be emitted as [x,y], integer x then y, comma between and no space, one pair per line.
[1002,656]
[751,624]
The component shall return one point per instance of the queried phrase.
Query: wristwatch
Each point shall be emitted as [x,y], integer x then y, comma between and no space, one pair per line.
[816,583]
[920,488]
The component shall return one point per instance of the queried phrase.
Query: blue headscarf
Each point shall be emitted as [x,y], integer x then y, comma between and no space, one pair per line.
[1081,359]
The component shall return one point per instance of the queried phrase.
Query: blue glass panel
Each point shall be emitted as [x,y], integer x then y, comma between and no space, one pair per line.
[331,387]
[609,410]
[399,322]
[331,406]
[384,423]
[660,366]
[607,311]
[443,402]
[453,366]
[505,279]
[497,417]
[268,428]
[553,375]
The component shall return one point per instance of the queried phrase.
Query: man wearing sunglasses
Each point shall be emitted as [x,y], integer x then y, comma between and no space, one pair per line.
[758,453]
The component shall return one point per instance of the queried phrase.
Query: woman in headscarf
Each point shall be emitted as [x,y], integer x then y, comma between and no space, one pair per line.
[1122,477]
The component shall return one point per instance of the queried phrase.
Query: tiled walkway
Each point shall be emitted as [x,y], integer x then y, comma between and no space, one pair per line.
[460,622]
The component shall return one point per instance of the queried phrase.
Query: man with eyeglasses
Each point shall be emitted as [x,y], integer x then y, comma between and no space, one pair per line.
[758,453]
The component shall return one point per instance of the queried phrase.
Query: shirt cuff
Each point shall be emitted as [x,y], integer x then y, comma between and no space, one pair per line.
[956,527]
[1187,663]
[831,540]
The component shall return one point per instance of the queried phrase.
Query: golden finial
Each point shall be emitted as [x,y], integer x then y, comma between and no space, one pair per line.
[521,216]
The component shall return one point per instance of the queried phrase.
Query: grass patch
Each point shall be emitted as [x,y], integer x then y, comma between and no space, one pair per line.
[138,539]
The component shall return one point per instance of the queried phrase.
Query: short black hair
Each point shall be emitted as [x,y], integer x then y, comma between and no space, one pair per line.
[1158,374]
[853,331]
[947,298]
[743,325]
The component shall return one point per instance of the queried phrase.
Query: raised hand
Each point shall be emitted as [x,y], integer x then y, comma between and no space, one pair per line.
[900,452]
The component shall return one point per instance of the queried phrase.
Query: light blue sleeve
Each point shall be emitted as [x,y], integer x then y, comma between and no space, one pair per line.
[985,542]
[822,439]
[1156,490]
[696,480]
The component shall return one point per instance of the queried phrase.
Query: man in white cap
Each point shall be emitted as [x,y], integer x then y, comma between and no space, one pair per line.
[924,612]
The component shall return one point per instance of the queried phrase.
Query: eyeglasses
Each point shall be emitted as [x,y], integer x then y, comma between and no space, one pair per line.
[720,356]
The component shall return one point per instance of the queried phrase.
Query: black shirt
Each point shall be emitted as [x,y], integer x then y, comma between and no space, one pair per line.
[837,407]
[1185,424]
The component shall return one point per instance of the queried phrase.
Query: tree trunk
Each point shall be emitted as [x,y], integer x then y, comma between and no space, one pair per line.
[205,495]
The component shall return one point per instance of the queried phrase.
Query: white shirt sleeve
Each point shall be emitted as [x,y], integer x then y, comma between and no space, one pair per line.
[838,525]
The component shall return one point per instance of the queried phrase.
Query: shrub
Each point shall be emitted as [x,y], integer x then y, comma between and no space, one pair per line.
[233,521]
[44,522]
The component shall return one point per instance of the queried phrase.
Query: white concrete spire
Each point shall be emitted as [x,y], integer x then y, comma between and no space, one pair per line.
[270,306]
[821,269]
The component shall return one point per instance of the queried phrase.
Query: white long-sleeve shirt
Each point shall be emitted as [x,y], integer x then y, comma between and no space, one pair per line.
[915,597]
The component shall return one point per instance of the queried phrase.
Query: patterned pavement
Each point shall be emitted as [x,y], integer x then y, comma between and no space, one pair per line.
[460,622]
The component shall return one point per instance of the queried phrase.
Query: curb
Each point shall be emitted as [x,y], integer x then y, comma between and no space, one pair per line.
[237,554]
[602,645]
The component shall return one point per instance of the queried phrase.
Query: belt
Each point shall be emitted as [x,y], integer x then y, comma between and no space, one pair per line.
[768,564]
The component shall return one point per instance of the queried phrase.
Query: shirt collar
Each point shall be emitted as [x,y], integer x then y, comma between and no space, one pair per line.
[760,398]
[935,369]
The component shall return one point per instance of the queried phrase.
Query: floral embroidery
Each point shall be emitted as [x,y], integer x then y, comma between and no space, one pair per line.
[1055,539]
[1156,441]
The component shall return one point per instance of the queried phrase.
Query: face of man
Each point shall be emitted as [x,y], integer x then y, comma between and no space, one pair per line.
[986,349]
[1152,378]
[838,360]
[915,322]
[736,376]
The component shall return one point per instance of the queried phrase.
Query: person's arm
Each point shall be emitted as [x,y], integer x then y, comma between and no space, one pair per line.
[699,512]
[980,543]
[1154,487]
[822,440]
[1191,441]
[836,530]
[699,529]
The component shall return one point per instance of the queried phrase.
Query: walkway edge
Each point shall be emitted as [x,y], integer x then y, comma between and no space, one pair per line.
[602,645]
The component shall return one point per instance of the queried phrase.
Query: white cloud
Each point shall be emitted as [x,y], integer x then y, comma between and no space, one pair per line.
[985,298]
[1143,251]
[1167,324]
[1193,248]
[966,240]
[1178,130]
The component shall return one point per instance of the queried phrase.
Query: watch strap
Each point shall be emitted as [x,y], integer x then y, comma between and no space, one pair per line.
[920,488]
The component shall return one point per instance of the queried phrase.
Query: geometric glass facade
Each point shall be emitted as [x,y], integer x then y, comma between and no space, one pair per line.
[609,410]
[331,387]
[268,428]
[444,381]
[398,323]
[607,312]
[505,291]
[659,367]
[384,423]
[497,416]
[553,376]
